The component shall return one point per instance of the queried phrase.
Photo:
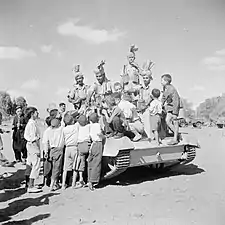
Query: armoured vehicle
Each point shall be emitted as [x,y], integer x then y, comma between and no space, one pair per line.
[120,154]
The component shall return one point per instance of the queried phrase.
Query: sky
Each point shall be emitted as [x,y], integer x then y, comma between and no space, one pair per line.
[40,41]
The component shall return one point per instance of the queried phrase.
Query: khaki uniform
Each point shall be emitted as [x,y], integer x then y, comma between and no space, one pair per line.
[77,96]
[131,81]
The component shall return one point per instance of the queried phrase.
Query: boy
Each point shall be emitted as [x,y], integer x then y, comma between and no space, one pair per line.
[95,152]
[132,120]
[155,110]
[83,145]
[171,102]
[54,142]
[70,133]
[32,136]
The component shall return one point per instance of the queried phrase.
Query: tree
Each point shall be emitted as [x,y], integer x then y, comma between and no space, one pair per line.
[21,101]
[188,109]
[6,105]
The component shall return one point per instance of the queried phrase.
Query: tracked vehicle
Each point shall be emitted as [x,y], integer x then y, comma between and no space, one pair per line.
[121,154]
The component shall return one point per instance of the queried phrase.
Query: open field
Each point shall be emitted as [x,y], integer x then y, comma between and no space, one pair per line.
[192,194]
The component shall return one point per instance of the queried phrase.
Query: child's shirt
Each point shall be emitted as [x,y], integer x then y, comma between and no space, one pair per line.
[155,107]
[95,132]
[70,133]
[53,138]
[83,133]
[171,98]
[32,135]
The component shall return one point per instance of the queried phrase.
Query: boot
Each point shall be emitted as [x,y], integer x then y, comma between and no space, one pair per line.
[27,179]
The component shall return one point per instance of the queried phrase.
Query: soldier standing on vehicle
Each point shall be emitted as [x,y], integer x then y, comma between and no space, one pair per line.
[145,99]
[99,92]
[77,96]
[130,77]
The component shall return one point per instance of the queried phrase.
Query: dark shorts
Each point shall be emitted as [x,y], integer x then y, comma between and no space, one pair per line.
[155,122]
[173,110]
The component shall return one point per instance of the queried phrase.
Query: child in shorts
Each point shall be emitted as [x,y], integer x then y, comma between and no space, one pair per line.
[171,102]
[70,134]
[83,146]
[155,110]
[95,152]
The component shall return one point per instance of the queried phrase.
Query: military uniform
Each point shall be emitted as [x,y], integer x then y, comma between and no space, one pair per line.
[77,96]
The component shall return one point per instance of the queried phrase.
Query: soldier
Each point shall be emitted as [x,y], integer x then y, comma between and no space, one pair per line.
[130,75]
[77,96]
[99,92]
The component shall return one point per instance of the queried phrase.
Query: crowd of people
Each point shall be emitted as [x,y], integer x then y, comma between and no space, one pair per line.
[74,140]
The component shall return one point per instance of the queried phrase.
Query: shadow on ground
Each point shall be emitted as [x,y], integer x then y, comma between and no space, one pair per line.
[143,174]
[12,186]
[22,204]
[28,221]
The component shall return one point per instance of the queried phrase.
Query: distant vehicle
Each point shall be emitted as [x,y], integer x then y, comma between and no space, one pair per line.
[220,123]
[183,123]
[197,123]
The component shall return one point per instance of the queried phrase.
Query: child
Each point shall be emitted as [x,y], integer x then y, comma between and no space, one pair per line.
[70,133]
[83,145]
[171,102]
[55,143]
[155,110]
[132,119]
[95,152]
[32,137]
[47,163]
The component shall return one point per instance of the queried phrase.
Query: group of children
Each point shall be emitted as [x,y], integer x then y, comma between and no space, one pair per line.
[75,142]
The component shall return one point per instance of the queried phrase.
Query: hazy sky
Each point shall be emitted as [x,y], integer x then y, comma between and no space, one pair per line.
[41,40]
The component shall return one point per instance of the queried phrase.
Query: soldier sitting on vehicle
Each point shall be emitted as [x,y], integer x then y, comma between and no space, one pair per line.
[77,96]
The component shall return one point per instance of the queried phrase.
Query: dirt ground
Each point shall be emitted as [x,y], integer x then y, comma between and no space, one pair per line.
[191,194]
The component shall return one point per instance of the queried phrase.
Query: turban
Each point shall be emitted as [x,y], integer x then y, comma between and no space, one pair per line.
[76,70]
[147,66]
[133,49]
[100,68]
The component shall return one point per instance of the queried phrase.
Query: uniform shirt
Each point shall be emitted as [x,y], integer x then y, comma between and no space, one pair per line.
[145,94]
[53,138]
[130,73]
[76,93]
[70,133]
[83,133]
[155,107]
[95,132]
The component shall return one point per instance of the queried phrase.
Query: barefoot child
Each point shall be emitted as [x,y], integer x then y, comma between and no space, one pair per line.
[70,134]
[95,152]
[32,136]
[53,146]
[83,145]
[171,102]
[155,110]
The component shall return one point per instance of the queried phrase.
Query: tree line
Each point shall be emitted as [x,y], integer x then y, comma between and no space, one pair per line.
[8,105]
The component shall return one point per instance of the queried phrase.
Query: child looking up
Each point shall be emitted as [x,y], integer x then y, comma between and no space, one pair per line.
[70,134]
[95,152]
[83,145]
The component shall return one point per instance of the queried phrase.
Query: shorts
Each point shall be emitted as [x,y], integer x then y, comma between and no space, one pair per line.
[83,150]
[70,155]
[155,122]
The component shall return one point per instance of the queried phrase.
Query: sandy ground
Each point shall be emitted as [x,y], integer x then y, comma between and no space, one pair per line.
[191,194]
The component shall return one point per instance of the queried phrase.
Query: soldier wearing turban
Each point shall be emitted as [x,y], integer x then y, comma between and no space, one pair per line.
[77,96]
[102,87]
[130,75]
